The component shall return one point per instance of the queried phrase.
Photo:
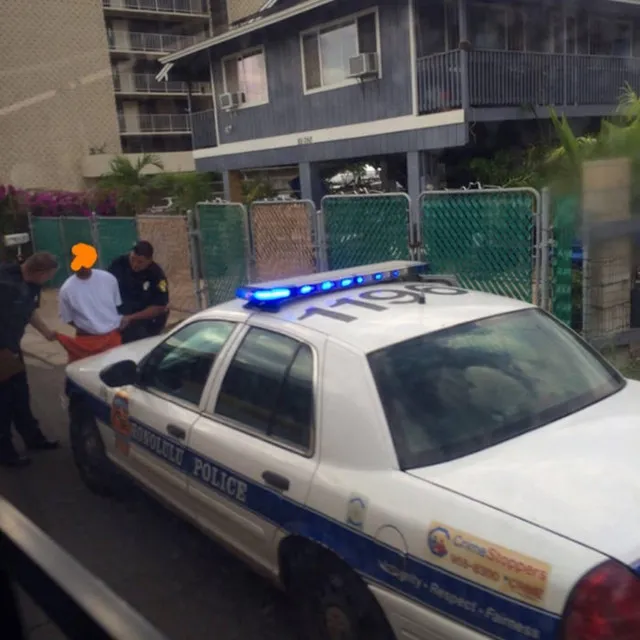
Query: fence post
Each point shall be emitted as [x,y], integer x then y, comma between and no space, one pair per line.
[544,243]
[196,274]
[95,237]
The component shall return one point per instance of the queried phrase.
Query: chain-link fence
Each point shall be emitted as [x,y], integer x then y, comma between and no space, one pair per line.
[222,233]
[283,243]
[169,236]
[365,229]
[488,238]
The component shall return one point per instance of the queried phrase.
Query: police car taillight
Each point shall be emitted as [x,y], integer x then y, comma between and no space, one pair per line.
[604,605]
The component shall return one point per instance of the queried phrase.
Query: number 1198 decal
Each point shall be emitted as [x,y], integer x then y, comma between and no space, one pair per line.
[378,300]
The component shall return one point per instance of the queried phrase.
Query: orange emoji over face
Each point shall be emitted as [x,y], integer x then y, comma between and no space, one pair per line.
[84,256]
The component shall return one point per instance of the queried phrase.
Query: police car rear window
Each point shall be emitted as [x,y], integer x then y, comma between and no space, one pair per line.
[454,392]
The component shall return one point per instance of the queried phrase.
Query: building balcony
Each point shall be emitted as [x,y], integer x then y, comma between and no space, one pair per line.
[146,84]
[168,9]
[154,124]
[203,126]
[524,79]
[155,43]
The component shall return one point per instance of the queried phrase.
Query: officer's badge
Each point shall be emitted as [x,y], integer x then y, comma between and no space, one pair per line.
[162,286]
[145,286]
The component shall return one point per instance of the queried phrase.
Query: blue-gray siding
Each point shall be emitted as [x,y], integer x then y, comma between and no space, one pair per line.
[453,135]
[289,110]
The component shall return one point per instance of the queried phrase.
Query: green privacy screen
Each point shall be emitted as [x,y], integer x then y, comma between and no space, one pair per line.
[224,249]
[366,229]
[115,237]
[486,239]
[565,232]
[46,236]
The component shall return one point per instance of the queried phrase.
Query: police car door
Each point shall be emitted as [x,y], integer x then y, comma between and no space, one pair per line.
[163,408]
[255,444]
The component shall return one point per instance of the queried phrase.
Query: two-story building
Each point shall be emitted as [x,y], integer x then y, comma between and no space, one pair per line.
[312,81]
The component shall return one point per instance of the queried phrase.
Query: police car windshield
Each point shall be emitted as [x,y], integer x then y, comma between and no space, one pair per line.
[457,391]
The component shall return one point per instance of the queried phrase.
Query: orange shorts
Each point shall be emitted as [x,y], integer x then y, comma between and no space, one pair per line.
[83,346]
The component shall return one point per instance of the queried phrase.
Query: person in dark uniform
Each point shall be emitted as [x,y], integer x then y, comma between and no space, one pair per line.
[144,291]
[20,286]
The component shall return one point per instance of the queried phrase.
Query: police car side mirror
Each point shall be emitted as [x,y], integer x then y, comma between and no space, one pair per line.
[120,374]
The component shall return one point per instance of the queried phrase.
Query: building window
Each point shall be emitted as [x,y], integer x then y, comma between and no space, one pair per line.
[326,50]
[610,37]
[496,27]
[247,73]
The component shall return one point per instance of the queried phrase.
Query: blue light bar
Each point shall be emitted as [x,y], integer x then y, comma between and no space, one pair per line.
[270,295]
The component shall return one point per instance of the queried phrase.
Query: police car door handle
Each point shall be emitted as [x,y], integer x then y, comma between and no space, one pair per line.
[176,432]
[276,480]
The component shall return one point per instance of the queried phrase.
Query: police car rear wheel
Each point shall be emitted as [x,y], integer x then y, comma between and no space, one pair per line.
[334,603]
[89,455]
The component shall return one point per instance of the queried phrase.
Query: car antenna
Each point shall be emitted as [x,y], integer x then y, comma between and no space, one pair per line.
[422,298]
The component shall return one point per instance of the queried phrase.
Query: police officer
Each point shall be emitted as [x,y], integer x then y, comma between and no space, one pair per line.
[20,286]
[144,291]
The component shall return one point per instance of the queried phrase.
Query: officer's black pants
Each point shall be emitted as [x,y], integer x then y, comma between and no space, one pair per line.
[140,329]
[15,409]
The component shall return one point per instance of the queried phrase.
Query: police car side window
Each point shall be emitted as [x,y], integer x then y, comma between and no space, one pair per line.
[180,365]
[269,387]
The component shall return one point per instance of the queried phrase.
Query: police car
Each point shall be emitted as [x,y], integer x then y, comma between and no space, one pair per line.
[409,459]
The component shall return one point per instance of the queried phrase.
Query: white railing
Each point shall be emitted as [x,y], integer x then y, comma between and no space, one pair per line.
[193,7]
[147,83]
[152,42]
[154,123]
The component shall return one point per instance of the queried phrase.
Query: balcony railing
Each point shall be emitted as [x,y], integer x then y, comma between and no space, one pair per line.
[147,83]
[152,42]
[193,7]
[204,129]
[154,123]
[516,79]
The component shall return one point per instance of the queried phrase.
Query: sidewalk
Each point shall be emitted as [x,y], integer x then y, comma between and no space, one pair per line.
[35,346]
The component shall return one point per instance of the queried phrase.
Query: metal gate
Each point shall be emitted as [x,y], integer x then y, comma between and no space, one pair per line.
[221,234]
[365,229]
[283,239]
[489,238]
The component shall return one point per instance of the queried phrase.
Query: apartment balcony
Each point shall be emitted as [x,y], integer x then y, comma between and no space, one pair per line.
[154,124]
[146,84]
[151,43]
[524,79]
[166,9]
[203,125]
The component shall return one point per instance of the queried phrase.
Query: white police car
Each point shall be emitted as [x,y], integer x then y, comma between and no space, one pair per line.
[411,460]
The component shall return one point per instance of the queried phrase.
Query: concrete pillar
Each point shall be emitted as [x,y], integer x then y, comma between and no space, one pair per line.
[232,183]
[131,112]
[606,197]
[311,187]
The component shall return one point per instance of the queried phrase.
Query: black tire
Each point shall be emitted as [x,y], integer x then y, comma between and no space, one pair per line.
[333,602]
[95,469]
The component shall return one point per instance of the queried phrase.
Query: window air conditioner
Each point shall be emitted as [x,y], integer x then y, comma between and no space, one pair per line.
[365,64]
[229,101]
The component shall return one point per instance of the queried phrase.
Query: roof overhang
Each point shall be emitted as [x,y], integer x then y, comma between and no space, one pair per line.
[248,27]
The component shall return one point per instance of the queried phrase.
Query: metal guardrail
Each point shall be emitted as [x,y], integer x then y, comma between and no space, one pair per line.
[147,83]
[516,78]
[79,604]
[154,123]
[132,41]
[194,7]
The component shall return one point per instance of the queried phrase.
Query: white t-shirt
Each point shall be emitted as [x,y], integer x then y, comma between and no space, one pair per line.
[91,304]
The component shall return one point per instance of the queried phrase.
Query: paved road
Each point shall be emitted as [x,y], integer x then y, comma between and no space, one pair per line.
[179,580]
